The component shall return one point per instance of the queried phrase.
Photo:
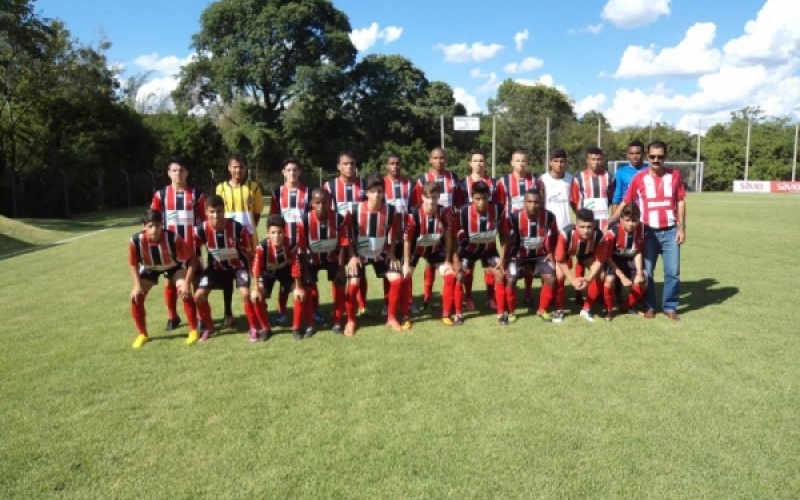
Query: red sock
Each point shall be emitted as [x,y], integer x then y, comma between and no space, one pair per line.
[386,292]
[351,301]
[546,297]
[511,297]
[283,298]
[262,315]
[204,308]
[171,300]
[338,302]
[362,293]
[430,277]
[468,278]
[395,290]
[250,312]
[592,294]
[312,297]
[635,295]
[500,296]
[448,288]
[560,292]
[608,297]
[190,309]
[139,316]
[488,280]
[528,287]
[297,314]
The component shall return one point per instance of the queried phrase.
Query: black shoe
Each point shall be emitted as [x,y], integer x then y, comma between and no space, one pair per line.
[264,335]
[173,323]
[297,335]
[426,306]
[503,319]
[337,329]
[309,332]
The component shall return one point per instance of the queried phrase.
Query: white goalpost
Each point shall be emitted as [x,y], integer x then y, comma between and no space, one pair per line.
[691,171]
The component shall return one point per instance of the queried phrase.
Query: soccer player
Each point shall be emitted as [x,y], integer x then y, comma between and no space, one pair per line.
[346,189]
[661,196]
[477,165]
[399,191]
[428,234]
[586,242]
[152,252]
[244,202]
[182,207]
[510,191]
[625,173]
[532,237]
[228,244]
[374,230]
[290,201]
[626,238]
[277,261]
[451,197]
[324,243]
[479,224]
[595,186]
[559,191]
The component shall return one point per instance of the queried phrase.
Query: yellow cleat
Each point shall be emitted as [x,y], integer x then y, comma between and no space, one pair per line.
[141,340]
[406,325]
[448,321]
[193,337]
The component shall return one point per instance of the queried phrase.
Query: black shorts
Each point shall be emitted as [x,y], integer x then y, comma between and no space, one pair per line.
[330,267]
[283,276]
[216,279]
[381,268]
[488,258]
[434,259]
[540,267]
[627,266]
[152,275]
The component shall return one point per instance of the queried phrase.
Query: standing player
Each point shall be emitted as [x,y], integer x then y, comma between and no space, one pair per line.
[374,230]
[428,235]
[510,191]
[587,243]
[290,201]
[182,207]
[626,238]
[451,196]
[244,202]
[345,190]
[277,261]
[559,191]
[477,165]
[152,252]
[324,242]
[625,173]
[479,225]
[532,237]
[229,246]
[399,191]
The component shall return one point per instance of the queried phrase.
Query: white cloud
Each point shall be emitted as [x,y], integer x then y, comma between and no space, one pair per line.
[469,101]
[694,55]
[154,94]
[592,29]
[773,37]
[492,84]
[628,14]
[546,79]
[519,39]
[527,64]
[365,38]
[167,65]
[590,103]
[476,73]
[461,52]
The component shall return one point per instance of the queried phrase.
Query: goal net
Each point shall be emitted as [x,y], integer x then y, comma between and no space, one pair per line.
[691,172]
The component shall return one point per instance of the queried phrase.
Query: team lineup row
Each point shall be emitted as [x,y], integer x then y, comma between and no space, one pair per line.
[517,226]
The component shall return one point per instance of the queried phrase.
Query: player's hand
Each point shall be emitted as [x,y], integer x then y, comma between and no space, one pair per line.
[300,294]
[447,268]
[680,238]
[407,270]
[639,279]
[578,283]
[625,281]
[394,264]
[136,294]
[183,291]
[255,295]
[353,265]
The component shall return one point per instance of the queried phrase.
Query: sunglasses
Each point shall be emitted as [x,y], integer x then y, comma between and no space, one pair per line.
[656,157]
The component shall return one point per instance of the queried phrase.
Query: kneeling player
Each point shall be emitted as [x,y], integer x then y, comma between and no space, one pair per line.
[587,243]
[151,253]
[478,226]
[428,234]
[276,261]
[324,244]
[533,233]
[626,238]
[374,231]
[228,244]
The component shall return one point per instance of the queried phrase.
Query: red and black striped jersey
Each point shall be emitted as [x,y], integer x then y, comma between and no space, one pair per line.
[450,194]
[171,250]
[466,188]
[570,243]
[321,239]
[373,232]
[595,190]
[344,194]
[270,259]
[228,247]
[477,233]
[181,210]
[425,232]
[399,194]
[511,190]
[624,244]
[533,236]
[291,204]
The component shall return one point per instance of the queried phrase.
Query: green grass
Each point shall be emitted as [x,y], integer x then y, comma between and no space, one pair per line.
[633,409]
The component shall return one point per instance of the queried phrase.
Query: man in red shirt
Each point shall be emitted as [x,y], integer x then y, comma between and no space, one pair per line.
[661,196]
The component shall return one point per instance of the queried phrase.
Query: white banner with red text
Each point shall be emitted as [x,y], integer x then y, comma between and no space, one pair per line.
[766,187]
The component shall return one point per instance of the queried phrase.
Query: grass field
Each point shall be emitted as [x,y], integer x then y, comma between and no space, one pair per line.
[707,408]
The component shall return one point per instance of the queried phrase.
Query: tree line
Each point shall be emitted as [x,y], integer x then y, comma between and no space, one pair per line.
[278,78]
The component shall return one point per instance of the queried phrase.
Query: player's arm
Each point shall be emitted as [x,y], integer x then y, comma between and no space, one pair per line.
[616,198]
[255,270]
[681,222]
[502,226]
[448,242]
[561,256]
[600,258]
[133,262]
[353,263]
[185,257]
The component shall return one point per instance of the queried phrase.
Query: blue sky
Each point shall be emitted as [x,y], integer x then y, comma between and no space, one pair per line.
[686,62]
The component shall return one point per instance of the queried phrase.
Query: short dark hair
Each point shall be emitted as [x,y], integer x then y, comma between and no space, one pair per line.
[237,157]
[215,201]
[631,211]
[154,216]
[593,150]
[394,155]
[636,143]
[373,181]
[519,151]
[176,160]
[275,221]
[480,187]
[438,148]
[657,145]
[289,161]
[584,215]
[345,152]
[558,153]
[431,189]
[532,191]
[316,191]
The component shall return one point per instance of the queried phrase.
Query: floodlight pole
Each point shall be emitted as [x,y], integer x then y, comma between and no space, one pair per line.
[599,132]
[747,150]
[547,144]
[441,128]
[697,175]
[794,156]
